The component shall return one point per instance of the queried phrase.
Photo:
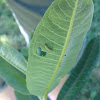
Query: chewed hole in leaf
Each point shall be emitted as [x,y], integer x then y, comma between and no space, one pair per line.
[40,52]
[43,53]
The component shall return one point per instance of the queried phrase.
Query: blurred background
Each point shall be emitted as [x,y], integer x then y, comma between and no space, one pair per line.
[10,33]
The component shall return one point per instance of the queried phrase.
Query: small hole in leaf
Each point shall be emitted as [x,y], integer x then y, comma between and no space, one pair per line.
[40,52]
[64,55]
[43,53]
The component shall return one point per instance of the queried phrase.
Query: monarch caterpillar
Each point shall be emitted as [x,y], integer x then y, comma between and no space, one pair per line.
[49,49]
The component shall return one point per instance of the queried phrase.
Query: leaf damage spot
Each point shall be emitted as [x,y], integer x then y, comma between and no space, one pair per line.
[40,52]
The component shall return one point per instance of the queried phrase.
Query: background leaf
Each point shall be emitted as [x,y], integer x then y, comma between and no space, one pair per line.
[59,35]
[20,96]
[3,85]
[97,97]
[12,56]
[82,70]
[13,77]
[29,12]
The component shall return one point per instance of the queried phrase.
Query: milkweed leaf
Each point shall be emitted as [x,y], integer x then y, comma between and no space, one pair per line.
[97,97]
[29,12]
[82,70]
[20,96]
[13,77]
[63,29]
[12,56]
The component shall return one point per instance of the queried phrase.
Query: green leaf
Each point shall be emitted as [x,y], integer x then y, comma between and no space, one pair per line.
[13,77]
[82,70]
[29,12]
[20,96]
[93,94]
[59,35]
[12,56]
[3,85]
[97,97]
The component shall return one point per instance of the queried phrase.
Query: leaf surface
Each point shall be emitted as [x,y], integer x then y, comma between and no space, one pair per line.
[20,96]
[59,36]
[29,12]
[12,56]
[12,76]
[82,70]
[97,97]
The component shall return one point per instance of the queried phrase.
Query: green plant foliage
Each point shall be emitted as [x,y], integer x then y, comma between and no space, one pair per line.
[9,31]
[24,52]
[81,72]
[95,30]
[62,29]
[97,97]
[3,85]
[13,77]
[29,12]
[2,1]
[94,80]
[20,96]
[12,56]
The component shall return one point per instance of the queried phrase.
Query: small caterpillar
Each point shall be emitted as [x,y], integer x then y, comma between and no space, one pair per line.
[49,49]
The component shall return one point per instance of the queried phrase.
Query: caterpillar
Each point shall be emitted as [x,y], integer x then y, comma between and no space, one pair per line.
[49,49]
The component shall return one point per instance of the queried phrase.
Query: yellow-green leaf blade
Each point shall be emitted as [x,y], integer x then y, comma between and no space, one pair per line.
[12,56]
[62,29]
[29,12]
[13,77]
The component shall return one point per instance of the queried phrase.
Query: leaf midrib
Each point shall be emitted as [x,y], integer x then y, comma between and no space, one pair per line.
[63,51]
